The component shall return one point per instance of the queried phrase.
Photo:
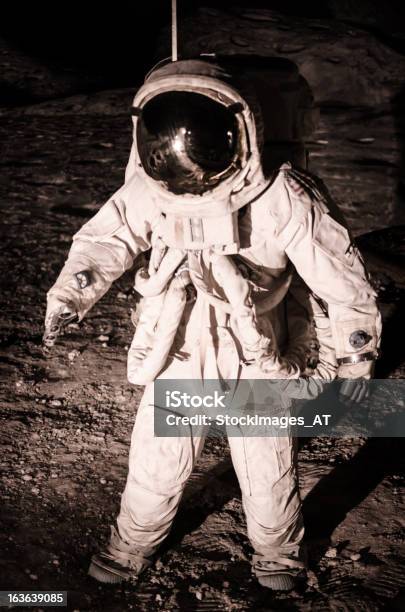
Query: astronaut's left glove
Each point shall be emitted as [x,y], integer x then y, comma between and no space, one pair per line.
[354,391]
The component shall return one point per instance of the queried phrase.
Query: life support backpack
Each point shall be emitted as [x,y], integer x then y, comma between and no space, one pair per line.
[288,113]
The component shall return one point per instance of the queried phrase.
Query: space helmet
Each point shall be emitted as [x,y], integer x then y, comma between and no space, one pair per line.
[195,136]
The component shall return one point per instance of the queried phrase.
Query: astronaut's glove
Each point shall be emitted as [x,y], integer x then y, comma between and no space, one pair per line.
[354,391]
[59,314]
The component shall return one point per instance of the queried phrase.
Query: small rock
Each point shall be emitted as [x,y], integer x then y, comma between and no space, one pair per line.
[103,338]
[331,553]
[158,598]
[199,595]
[254,16]
[33,577]
[73,354]
[63,373]
[56,403]
[225,584]
[312,580]
[103,481]
[35,491]
[355,557]
[289,48]
[240,41]
[121,295]
[27,477]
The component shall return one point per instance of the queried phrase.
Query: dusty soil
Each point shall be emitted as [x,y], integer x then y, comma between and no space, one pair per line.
[66,416]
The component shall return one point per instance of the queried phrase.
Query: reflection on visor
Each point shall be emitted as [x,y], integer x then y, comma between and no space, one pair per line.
[188,141]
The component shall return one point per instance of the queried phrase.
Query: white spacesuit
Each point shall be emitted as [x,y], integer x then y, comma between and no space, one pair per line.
[243,270]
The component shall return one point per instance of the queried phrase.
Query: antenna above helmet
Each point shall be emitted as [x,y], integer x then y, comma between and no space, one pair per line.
[174,31]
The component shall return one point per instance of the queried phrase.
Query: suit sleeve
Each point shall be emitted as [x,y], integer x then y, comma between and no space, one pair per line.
[324,256]
[106,246]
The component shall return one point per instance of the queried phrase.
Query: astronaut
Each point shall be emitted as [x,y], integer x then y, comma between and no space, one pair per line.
[243,268]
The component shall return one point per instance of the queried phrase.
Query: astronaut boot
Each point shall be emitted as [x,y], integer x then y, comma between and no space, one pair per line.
[277,576]
[118,562]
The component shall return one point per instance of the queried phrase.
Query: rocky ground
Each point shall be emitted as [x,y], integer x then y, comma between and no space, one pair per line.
[66,416]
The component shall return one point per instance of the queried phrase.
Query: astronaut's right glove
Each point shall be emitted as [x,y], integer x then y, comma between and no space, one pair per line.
[353,391]
[355,378]
[59,314]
